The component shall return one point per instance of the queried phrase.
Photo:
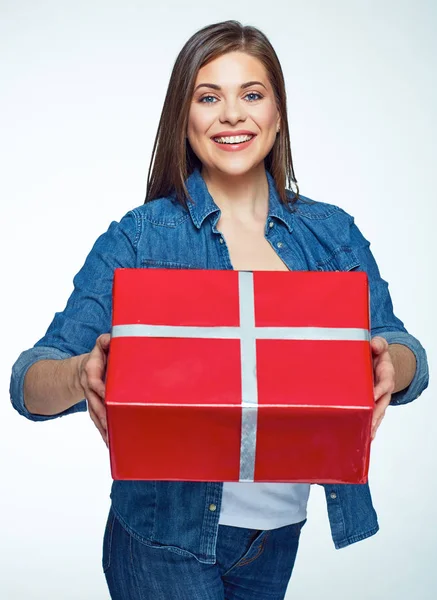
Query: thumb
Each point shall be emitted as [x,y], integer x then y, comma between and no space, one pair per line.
[103,340]
[378,344]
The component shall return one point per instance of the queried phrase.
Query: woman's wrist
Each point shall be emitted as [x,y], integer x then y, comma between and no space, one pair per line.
[75,377]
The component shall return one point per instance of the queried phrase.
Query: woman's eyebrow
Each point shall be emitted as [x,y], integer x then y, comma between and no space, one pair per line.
[217,87]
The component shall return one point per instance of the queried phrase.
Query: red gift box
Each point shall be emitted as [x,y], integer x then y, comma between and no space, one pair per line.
[240,376]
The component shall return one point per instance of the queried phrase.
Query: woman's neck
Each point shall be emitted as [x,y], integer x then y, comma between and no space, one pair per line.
[240,197]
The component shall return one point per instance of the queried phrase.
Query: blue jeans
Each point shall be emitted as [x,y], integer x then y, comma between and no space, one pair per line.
[251,564]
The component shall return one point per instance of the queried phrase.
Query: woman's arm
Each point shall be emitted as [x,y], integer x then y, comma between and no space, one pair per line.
[52,386]
[408,355]
[50,379]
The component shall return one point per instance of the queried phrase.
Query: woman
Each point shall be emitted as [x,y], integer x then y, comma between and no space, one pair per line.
[216,199]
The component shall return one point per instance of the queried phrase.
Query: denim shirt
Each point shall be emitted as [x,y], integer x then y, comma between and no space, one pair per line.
[311,236]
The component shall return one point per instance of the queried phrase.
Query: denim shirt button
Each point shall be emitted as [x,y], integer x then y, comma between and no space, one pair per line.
[333,495]
[212,507]
[271,224]
[221,240]
[279,244]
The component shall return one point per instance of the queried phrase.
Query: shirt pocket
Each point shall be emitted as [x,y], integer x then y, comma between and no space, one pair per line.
[342,258]
[150,263]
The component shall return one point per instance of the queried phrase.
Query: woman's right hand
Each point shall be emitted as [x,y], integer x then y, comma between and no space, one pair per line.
[91,374]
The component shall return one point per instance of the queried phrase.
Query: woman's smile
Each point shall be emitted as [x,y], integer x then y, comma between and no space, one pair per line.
[233,141]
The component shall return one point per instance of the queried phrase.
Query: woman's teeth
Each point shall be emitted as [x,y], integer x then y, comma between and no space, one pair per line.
[235,139]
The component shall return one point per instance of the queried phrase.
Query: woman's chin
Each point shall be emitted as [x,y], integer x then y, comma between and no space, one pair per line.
[235,167]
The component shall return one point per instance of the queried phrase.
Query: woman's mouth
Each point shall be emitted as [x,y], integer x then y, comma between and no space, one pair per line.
[233,143]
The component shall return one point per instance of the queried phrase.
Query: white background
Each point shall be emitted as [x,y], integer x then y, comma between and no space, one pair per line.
[82,87]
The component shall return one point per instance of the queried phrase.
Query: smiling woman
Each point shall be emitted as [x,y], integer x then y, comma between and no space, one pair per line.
[218,197]
[226,81]
[249,108]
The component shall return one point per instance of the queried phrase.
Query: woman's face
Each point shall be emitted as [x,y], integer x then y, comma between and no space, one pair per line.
[232,97]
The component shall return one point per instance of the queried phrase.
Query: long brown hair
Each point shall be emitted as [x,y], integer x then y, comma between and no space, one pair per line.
[173,159]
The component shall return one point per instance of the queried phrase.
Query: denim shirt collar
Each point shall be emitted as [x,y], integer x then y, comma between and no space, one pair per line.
[203,204]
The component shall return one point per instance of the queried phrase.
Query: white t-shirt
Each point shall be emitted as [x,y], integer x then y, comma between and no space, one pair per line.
[263,505]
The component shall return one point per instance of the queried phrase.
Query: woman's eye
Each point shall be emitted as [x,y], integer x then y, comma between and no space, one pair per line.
[252,99]
[208,98]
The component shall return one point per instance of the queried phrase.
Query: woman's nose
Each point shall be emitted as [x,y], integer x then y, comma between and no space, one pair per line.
[232,112]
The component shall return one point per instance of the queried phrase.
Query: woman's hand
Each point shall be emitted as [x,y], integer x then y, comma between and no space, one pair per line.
[384,380]
[91,377]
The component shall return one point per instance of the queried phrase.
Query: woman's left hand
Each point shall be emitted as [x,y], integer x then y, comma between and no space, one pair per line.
[384,380]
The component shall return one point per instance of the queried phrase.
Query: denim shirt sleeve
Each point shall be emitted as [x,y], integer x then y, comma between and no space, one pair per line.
[383,321]
[88,312]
